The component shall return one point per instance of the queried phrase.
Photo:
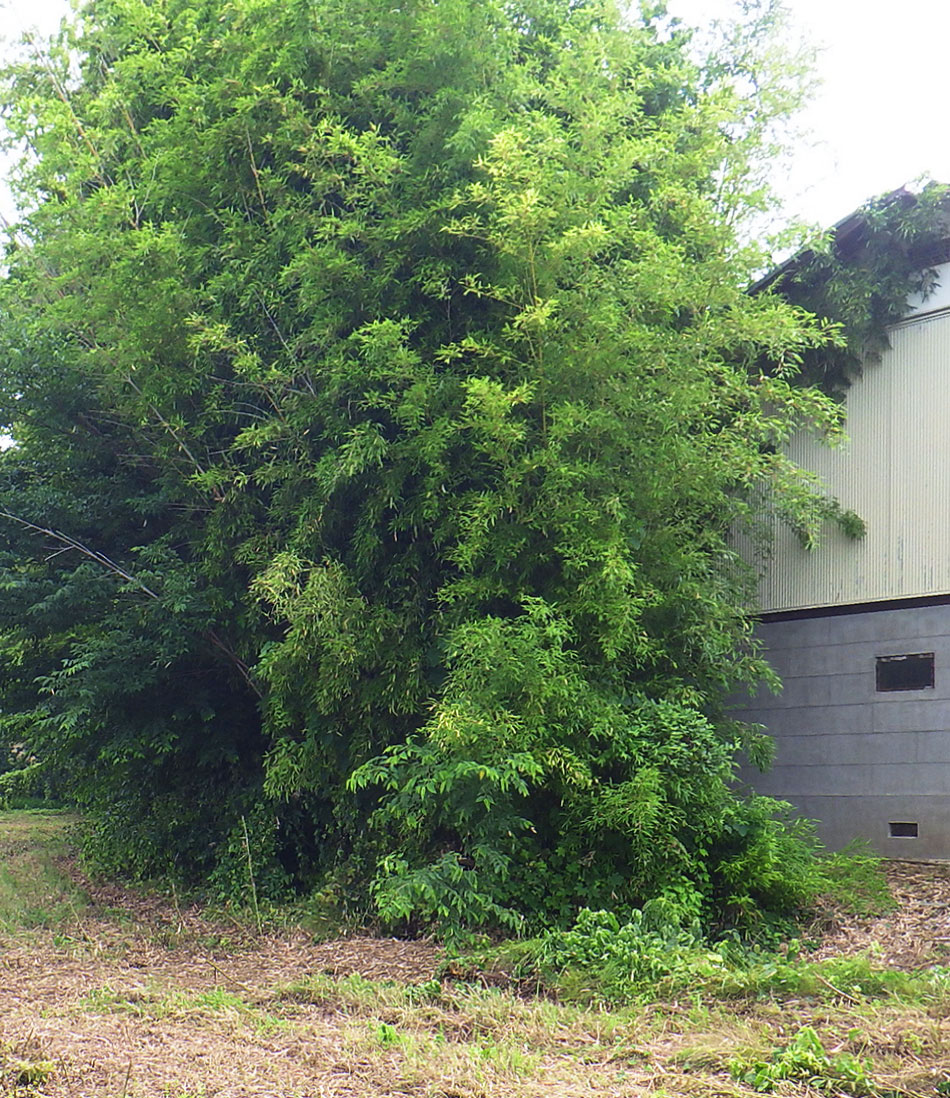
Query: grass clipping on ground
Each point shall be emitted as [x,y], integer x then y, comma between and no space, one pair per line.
[105,992]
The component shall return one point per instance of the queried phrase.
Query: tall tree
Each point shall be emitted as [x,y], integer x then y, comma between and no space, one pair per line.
[385,390]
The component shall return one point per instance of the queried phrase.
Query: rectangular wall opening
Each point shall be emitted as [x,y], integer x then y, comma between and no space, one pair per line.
[903,830]
[914,672]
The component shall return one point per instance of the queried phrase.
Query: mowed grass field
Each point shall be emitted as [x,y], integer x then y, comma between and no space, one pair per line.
[109,992]
[34,890]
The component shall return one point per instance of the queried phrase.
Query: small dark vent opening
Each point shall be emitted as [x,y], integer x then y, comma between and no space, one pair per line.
[905,672]
[903,830]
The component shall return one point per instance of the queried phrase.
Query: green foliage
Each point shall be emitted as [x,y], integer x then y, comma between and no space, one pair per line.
[852,878]
[667,947]
[247,863]
[862,276]
[602,959]
[25,787]
[385,391]
[634,795]
[769,975]
[768,861]
[620,961]
[805,1060]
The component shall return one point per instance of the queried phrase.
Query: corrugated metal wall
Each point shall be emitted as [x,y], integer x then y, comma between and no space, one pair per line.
[894,472]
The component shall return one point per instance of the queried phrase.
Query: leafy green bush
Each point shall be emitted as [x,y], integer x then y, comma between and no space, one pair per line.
[27,787]
[665,949]
[601,959]
[619,961]
[851,880]
[387,377]
[247,865]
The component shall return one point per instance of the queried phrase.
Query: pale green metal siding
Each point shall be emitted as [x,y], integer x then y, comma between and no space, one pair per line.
[894,472]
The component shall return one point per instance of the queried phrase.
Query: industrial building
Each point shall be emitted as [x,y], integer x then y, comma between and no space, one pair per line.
[859,630]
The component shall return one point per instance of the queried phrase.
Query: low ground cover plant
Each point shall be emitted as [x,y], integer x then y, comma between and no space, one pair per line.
[805,1060]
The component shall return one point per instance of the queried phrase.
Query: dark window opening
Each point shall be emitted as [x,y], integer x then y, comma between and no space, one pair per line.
[905,672]
[903,830]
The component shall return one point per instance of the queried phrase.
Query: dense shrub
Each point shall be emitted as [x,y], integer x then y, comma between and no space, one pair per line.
[385,389]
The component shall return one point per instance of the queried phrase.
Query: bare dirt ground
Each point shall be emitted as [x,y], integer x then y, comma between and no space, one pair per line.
[137,997]
[915,934]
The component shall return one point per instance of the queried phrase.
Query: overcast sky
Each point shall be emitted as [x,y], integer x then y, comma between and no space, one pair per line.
[879,118]
[877,123]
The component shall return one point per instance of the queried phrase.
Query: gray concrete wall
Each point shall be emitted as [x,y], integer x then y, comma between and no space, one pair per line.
[848,756]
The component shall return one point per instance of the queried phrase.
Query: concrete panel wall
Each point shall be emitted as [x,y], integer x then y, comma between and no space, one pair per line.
[851,757]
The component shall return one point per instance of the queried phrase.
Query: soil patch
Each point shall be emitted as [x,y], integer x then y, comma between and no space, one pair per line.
[916,934]
[137,997]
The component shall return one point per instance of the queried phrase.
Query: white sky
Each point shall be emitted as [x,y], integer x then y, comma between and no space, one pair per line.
[878,121]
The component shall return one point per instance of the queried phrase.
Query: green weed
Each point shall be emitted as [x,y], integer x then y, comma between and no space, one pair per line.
[837,978]
[852,881]
[601,960]
[30,1073]
[388,1036]
[805,1060]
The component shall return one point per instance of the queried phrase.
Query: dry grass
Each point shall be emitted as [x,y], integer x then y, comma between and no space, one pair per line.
[123,995]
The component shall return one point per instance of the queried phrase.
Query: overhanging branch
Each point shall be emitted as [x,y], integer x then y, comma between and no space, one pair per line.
[110,565]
